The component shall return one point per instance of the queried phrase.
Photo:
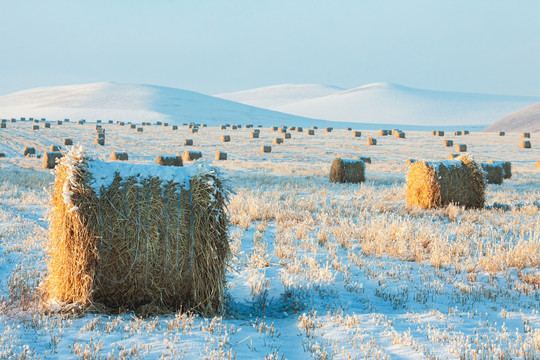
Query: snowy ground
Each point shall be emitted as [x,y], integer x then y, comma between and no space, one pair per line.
[319,270]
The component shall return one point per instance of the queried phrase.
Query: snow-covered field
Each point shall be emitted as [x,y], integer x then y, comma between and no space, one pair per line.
[319,270]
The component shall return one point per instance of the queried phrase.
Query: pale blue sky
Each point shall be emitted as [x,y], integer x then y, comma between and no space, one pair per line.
[484,46]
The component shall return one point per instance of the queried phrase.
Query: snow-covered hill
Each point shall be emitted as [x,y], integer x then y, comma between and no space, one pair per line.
[524,120]
[384,103]
[136,103]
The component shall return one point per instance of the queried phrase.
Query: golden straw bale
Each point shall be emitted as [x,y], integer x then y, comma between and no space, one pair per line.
[448,143]
[299,129]
[439,133]
[99,141]
[356,133]
[383,132]
[347,171]
[457,133]
[137,237]
[29,150]
[188,142]
[221,155]
[525,135]
[2,125]
[461,147]
[266,149]
[119,156]
[501,133]
[310,132]
[2,155]
[286,135]
[493,173]
[348,128]
[371,141]
[225,138]
[55,148]
[100,136]
[58,122]
[465,132]
[433,132]
[400,135]
[274,128]
[328,129]
[35,127]
[282,130]
[50,159]
[190,155]
[140,129]
[505,165]
[314,127]
[525,144]
[169,160]
[68,141]
[174,127]
[254,135]
[278,141]
[222,127]
[435,184]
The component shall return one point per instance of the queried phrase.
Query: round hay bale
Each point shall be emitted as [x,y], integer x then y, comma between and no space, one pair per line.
[400,135]
[98,121]
[119,156]
[169,160]
[348,128]
[278,141]
[299,129]
[461,147]
[29,150]
[266,149]
[99,141]
[194,130]
[493,173]
[283,130]
[347,171]
[371,141]
[110,121]
[314,127]
[286,135]
[256,130]
[234,127]
[221,155]
[68,141]
[453,156]
[174,127]
[80,122]
[457,133]
[525,135]
[440,133]
[132,126]
[525,144]
[537,165]
[50,159]
[435,184]
[100,136]
[448,143]
[254,135]
[433,132]
[365,159]
[55,148]
[2,125]
[35,127]
[188,142]
[222,127]
[100,131]
[328,129]
[190,155]
[98,127]
[410,161]
[505,165]
[356,133]
[465,132]
[292,128]
[152,241]
[58,122]
[274,128]
[140,129]
[310,132]
[383,132]
[225,138]
[2,155]
[13,120]
[501,133]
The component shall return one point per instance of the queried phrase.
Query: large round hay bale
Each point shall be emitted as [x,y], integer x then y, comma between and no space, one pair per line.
[525,135]
[254,135]
[328,129]
[169,160]
[3,125]
[100,136]
[383,132]
[501,133]
[299,129]
[234,127]
[191,155]
[119,156]
[140,129]
[400,135]
[188,142]
[50,159]
[278,141]
[29,150]
[371,141]
[221,155]
[434,184]
[137,237]
[99,141]
[356,133]
[292,128]
[55,148]
[266,149]
[461,147]
[80,122]
[439,133]
[525,144]
[347,171]
[448,143]
[365,159]
[505,165]
[286,135]
[35,127]
[225,138]
[494,173]
[68,141]
[194,130]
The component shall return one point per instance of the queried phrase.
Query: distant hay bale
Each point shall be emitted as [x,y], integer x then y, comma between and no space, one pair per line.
[461,147]
[314,127]
[292,128]
[299,129]
[347,171]
[505,165]
[274,128]
[395,131]
[266,149]
[80,122]
[2,155]
[383,132]
[254,135]
[410,161]
[222,127]
[328,129]
[49,159]
[465,132]
[100,131]
[494,173]
[286,135]
[537,165]
[174,127]
[365,159]
[525,135]
[194,130]
[140,129]
[501,133]
[100,136]
[225,138]
[190,155]
[29,150]
[55,148]
[58,122]
[132,126]
[188,142]
[99,141]
[400,135]
[98,121]
[119,156]
[248,126]
[165,124]
[348,128]
[68,141]
[448,143]
[147,240]
[525,144]
[434,133]
[436,184]
[356,133]
[98,127]
[169,160]
[453,156]
[2,125]
[310,132]
[234,127]
[35,127]
[371,141]
[110,121]
[221,155]
[278,141]
[440,133]
[282,130]
[457,133]
[13,120]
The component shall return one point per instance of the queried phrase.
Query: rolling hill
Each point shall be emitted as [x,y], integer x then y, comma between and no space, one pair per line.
[524,120]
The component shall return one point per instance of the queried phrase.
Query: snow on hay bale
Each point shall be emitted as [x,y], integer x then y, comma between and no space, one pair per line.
[383,132]
[119,156]
[190,155]
[448,143]
[347,171]
[494,173]
[254,135]
[68,141]
[29,150]
[505,165]
[278,141]
[435,184]
[525,135]
[371,141]
[225,138]
[356,133]
[266,149]
[525,144]
[49,159]
[461,147]
[99,141]
[169,161]
[220,155]
[55,148]
[365,159]
[501,133]
[140,237]
[188,142]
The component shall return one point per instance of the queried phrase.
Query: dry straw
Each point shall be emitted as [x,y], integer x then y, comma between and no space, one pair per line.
[68,141]
[49,159]
[436,184]
[494,173]
[266,149]
[525,135]
[169,160]
[188,142]
[506,166]
[278,141]
[356,133]
[371,141]
[448,143]
[347,171]
[225,138]
[119,156]
[137,242]
[461,147]
[99,141]
[190,155]
[221,155]
[525,144]
[29,150]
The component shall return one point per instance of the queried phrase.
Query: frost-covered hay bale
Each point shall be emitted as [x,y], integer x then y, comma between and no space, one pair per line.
[68,141]
[140,129]
[434,184]
[169,161]
[286,135]
[35,127]
[371,141]
[458,133]
[537,165]
[188,142]
[254,135]
[525,135]
[225,138]
[266,149]
[328,129]
[356,133]
[119,156]
[494,173]
[448,143]
[99,141]
[501,133]
[55,148]
[174,127]
[439,133]
[194,130]
[190,155]
[505,165]
[29,150]
[140,237]
[461,147]
[383,132]
[221,155]
[347,171]
[49,159]
[400,135]
[525,144]
[365,159]
[278,141]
